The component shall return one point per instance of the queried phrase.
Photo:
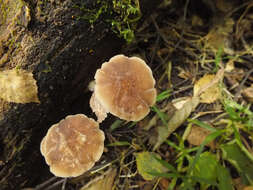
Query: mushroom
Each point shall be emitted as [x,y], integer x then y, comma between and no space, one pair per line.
[124,86]
[72,146]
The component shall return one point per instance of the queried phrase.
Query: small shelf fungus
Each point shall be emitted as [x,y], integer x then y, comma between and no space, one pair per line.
[73,145]
[124,87]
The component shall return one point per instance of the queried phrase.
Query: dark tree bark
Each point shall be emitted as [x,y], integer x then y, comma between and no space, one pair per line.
[63,54]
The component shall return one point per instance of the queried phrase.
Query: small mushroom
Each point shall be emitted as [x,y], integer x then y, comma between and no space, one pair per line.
[124,87]
[72,146]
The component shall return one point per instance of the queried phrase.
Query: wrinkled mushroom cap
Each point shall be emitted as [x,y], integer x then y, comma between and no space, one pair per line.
[125,87]
[72,146]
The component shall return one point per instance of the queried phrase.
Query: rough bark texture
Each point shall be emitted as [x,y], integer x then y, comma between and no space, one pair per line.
[63,54]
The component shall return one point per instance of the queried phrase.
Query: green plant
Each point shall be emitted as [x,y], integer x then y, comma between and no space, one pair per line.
[203,168]
[239,115]
[196,165]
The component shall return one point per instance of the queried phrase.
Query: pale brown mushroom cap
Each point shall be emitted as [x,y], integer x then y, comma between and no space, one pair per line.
[72,146]
[125,87]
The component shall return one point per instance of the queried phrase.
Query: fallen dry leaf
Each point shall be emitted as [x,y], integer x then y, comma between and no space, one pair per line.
[147,163]
[238,183]
[179,102]
[152,122]
[248,94]
[104,181]
[248,188]
[211,94]
[197,136]
[185,73]
[18,86]
[224,5]
[235,77]
[177,120]
[164,184]
[220,35]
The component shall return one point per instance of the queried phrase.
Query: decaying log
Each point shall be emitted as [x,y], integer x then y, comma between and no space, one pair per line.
[63,53]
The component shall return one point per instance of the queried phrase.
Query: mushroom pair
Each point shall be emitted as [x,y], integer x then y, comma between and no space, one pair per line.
[124,87]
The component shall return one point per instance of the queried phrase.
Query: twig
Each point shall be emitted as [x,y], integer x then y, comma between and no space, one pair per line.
[55,184]
[238,8]
[42,185]
[64,184]
[240,19]
[158,30]
[247,61]
[168,44]
[242,83]
[182,90]
[184,19]
[154,50]
[51,183]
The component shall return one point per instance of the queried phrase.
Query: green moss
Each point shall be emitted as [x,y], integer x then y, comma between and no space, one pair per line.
[121,15]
